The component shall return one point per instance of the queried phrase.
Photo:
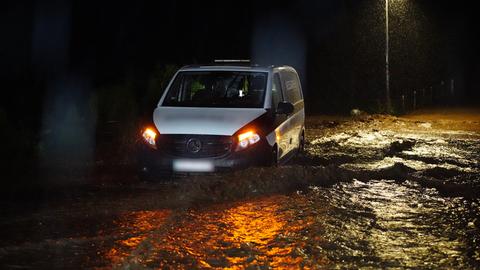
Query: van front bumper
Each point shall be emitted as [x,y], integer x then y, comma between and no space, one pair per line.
[153,160]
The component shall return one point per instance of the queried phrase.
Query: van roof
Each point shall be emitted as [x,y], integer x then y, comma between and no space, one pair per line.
[231,67]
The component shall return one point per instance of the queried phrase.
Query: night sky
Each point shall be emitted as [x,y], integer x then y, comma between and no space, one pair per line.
[337,46]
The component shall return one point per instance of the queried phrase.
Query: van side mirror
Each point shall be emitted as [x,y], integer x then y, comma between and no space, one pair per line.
[285,108]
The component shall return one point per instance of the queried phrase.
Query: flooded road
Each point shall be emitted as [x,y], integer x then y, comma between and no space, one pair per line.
[373,192]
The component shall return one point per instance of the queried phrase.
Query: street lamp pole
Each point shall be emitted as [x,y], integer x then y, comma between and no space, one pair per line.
[387,66]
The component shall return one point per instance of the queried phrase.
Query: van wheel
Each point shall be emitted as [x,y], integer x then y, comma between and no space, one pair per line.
[274,157]
[301,146]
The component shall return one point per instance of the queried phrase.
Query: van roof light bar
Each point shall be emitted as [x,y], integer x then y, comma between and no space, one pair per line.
[232,60]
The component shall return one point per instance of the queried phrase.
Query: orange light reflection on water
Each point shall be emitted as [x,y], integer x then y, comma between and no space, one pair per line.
[257,224]
[133,228]
[246,234]
[259,232]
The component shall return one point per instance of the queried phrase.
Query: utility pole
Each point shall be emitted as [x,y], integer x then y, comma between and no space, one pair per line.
[387,64]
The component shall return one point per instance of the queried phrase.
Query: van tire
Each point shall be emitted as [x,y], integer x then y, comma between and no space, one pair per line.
[301,145]
[274,156]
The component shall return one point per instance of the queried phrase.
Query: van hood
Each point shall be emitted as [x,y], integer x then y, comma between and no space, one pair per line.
[207,121]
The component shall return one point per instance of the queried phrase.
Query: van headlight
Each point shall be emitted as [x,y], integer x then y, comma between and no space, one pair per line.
[246,139]
[149,135]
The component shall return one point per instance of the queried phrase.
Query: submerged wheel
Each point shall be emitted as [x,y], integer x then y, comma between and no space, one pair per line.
[300,153]
[301,147]
[274,157]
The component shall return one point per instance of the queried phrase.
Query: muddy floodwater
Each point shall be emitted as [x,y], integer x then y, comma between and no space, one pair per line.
[370,192]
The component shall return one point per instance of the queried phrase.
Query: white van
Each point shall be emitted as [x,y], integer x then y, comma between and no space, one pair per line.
[212,118]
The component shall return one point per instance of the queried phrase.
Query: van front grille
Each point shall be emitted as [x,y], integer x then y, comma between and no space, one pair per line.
[195,146]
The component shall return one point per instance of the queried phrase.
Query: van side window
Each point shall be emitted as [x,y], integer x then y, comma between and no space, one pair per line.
[276,91]
[292,87]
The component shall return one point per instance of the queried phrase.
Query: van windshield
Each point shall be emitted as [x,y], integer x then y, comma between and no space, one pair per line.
[223,89]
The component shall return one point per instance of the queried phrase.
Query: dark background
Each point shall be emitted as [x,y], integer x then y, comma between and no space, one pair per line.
[70,68]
